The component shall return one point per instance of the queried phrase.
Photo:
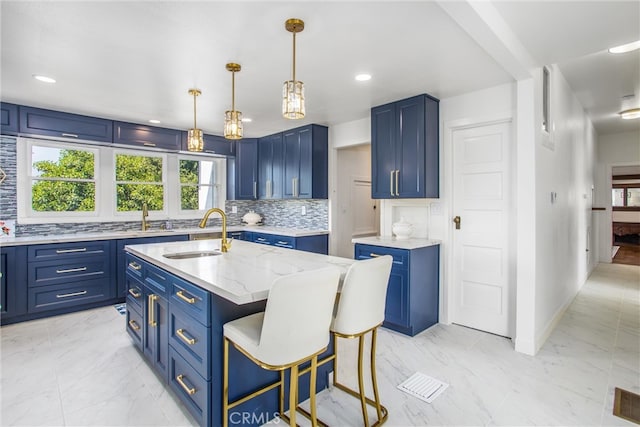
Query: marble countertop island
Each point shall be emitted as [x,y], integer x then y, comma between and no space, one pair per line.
[242,275]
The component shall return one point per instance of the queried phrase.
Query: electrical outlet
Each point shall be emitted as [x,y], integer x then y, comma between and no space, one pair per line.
[234,209]
[303,210]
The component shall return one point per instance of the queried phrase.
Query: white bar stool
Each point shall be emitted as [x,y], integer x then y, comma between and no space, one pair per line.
[293,329]
[360,310]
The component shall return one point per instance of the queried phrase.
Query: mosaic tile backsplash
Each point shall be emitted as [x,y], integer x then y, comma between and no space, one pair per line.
[275,213]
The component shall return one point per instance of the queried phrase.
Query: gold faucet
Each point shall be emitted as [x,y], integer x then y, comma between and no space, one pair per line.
[145,214]
[226,244]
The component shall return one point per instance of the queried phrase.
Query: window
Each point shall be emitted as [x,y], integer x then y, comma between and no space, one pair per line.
[625,196]
[61,178]
[199,188]
[139,179]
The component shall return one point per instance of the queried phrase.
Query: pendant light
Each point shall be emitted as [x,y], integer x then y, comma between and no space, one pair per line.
[293,90]
[233,118]
[195,141]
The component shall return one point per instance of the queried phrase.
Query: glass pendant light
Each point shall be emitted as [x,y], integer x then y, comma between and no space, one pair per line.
[233,118]
[293,90]
[195,140]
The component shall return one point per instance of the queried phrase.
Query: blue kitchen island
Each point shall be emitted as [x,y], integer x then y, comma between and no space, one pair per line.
[179,296]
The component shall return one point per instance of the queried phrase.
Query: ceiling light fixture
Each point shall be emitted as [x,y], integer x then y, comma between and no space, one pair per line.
[233,118]
[632,113]
[44,79]
[293,90]
[246,120]
[154,121]
[363,77]
[625,47]
[195,141]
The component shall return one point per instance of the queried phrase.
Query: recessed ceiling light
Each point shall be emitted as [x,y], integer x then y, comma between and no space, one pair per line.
[44,78]
[625,47]
[154,121]
[363,77]
[632,113]
[246,119]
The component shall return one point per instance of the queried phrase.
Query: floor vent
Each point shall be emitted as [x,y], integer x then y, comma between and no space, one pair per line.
[423,387]
[626,405]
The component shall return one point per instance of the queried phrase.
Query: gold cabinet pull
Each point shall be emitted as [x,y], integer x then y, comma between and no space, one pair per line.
[71,270]
[183,337]
[397,173]
[190,391]
[135,293]
[134,325]
[135,266]
[183,297]
[68,251]
[374,255]
[72,294]
[152,310]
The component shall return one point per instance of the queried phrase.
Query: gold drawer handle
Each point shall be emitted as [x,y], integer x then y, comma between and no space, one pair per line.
[152,311]
[135,266]
[190,391]
[71,270]
[134,293]
[68,251]
[183,337]
[134,325]
[184,298]
[374,255]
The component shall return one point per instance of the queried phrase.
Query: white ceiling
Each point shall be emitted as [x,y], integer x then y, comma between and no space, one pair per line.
[136,60]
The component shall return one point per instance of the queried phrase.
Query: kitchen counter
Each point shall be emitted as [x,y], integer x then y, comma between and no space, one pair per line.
[242,275]
[78,237]
[392,242]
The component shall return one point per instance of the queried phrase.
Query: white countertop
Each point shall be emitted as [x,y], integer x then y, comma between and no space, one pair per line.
[393,242]
[242,275]
[110,235]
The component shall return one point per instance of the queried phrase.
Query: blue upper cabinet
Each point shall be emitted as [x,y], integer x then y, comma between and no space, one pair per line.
[270,167]
[306,162]
[404,149]
[9,120]
[147,136]
[246,166]
[214,144]
[36,121]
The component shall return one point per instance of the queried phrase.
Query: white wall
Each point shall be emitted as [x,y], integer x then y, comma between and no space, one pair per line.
[563,183]
[620,149]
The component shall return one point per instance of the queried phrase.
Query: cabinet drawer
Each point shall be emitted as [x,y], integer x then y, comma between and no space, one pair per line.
[55,123]
[135,267]
[191,339]
[264,239]
[191,300]
[284,241]
[60,251]
[400,256]
[135,294]
[237,235]
[156,279]
[68,295]
[134,325]
[73,270]
[191,388]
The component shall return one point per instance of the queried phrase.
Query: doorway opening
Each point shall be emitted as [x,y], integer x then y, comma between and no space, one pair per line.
[625,214]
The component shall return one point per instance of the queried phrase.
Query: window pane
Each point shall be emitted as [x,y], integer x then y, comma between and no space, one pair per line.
[189,171]
[131,197]
[633,196]
[138,168]
[617,197]
[198,197]
[53,162]
[63,196]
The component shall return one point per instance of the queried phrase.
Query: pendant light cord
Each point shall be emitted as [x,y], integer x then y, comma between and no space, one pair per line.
[194,110]
[233,91]
[294,57]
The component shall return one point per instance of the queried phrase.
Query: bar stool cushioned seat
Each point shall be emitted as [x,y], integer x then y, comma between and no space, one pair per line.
[293,329]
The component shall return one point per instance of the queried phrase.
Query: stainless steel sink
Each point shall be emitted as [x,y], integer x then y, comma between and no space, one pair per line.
[193,254]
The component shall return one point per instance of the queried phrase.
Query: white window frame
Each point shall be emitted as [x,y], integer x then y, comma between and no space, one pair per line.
[220,183]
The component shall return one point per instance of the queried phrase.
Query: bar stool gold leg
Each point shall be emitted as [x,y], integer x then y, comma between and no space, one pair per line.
[281,403]
[293,395]
[363,401]
[374,379]
[312,390]
[335,359]
[225,384]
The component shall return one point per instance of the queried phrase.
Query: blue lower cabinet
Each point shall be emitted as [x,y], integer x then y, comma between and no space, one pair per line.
[264,239]
[318,243]
[193,390]
[413,292]
[135,325]
[46,298]
[190,299]
[13,288]
[236,235]
[155,344]
[191,340]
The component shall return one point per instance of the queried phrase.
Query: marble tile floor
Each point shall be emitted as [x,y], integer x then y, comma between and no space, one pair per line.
[82,370]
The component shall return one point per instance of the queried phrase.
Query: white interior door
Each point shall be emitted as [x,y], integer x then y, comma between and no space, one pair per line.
[481,193]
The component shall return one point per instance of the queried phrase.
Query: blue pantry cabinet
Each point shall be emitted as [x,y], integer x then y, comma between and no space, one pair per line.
[306,162]
[37,121]
[404,149]
[8,119]
[270,167]
[413,290]
[246,169]
[13,299]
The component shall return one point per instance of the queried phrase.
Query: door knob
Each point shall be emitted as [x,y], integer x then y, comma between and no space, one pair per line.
[456,220]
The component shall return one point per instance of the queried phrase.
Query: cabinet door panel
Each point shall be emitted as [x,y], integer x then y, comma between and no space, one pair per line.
[304,185]
[146,136]
[383,133]
[9,119]
[396,310]
[156,336]
[291,163]
[270,167]
[135,326]
[247,169]
[37,121]
[410,148]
